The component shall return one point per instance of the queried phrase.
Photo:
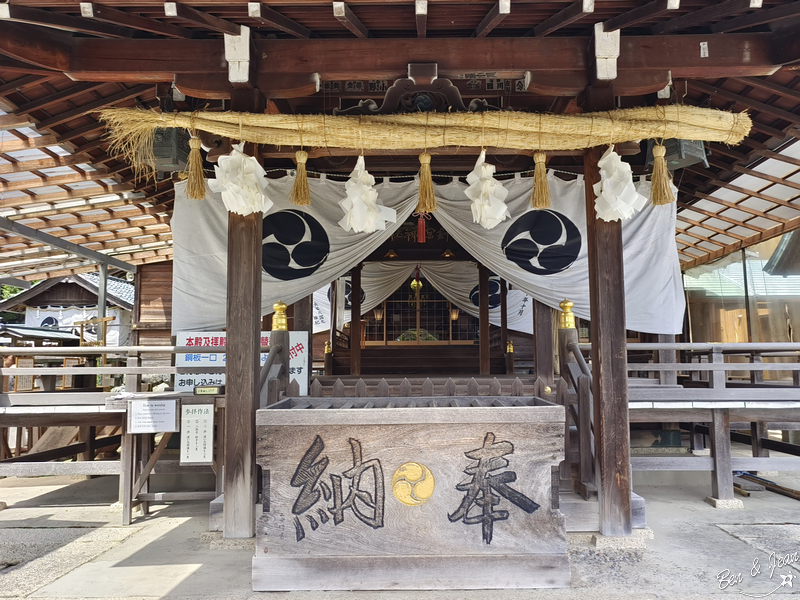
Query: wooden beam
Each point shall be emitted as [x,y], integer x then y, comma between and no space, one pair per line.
[44,163]
[769,86]
[106,14]
[14,122]
[90,107]
[714,12]
[100,190]
[713,215]
[60,96]
[186,13]
[272,18]
[646,12]
[494,17]
[574,12]
[702,238]
[747,209]
[608,334]
[347,17]
[27,143]
[735,188]
[730,55]
[60,21]
[483,320]
[711,228]
[21,83]
[421,15]
[762,107]
[48,49]
[44,181]
[759,17]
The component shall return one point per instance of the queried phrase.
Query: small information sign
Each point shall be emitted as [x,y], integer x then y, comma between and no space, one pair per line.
[152,415]
[68,380]
[197,434]
[24,383]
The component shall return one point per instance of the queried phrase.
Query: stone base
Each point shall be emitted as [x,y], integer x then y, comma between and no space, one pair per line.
[731,503]
[215,516]
[136,511]
[510,571]
[702,452]
[3,506]
[217,542]
[634,541]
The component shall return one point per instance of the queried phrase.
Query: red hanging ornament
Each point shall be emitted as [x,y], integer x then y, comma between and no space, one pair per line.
[421,232]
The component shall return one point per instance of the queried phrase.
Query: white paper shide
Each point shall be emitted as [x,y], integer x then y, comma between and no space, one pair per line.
[487,194]
[242,183]
[617,197]
[362,213]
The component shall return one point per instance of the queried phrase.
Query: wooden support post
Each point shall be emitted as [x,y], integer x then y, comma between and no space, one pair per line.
[355,320]
[86,433]
[667,356]
[304,321]
[483,319]
[586,478]
[563,398]
[722,475]
[543,355]
[126,474]
[756,376]
[609,374]
[565,338]
[759,431]
[243,354]
[242,390]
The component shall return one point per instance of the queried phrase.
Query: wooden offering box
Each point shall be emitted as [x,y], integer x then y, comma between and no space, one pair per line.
[409,493]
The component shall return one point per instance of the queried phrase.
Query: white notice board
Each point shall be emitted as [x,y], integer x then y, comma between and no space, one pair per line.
[197,434]
[298,358]
[152,415]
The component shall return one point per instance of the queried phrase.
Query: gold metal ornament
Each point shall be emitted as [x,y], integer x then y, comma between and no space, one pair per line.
[510,347]
[328,349]
[413,484]
[567,319]
[279,320]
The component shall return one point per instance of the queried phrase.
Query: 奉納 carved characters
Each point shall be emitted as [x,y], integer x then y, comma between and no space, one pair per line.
[366,504]
[479,488]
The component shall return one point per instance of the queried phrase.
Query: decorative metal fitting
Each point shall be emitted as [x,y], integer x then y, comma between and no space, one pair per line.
[279,320]
[567,320]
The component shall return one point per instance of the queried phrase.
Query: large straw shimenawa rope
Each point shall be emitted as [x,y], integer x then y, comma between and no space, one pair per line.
[131,130]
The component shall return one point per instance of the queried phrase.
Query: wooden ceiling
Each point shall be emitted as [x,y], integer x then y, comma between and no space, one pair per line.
[62,61]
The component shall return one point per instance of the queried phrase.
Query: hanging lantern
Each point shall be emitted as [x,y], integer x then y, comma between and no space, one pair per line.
[378,312]
[454,313]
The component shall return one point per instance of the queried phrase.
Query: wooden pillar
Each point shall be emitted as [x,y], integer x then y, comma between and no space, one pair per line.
[483,318]
[722,479]
[244,341]
[609,375]
[355,320]
[304,321]
[543,355]
[243,355]
[667,356]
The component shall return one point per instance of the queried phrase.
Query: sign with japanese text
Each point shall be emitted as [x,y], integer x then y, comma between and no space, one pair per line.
[197,434]
[299,362]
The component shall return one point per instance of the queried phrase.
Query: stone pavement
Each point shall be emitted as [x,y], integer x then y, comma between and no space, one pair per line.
[59,539]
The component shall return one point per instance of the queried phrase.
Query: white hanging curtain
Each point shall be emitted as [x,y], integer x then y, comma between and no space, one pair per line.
[542,253]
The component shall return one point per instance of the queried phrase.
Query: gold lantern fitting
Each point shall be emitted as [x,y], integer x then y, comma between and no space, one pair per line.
[567,319]
[510,347]
[279,320]
[328,349]
[416,285]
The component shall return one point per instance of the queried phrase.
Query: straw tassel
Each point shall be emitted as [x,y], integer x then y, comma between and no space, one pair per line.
[196,186]
[300,194]
[660,188]
[427,201]
[540,194]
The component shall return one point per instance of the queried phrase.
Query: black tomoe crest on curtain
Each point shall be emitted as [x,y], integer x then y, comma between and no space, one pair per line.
[494,293]
[543,242]
[348,292]
[294,245]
